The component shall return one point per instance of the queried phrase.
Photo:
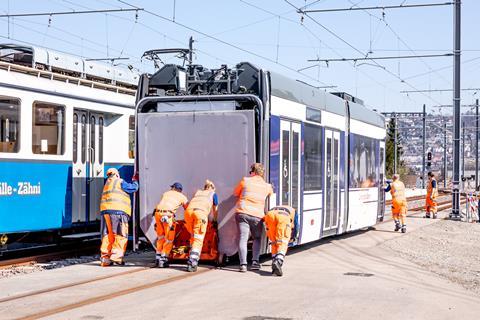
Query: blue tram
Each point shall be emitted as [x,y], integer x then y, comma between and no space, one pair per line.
[64,121]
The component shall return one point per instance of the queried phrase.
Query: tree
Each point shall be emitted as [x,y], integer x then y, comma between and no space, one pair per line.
[390,151]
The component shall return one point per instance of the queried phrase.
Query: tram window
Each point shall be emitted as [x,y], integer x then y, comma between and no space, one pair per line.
[131,137]
[313,157]
[313,115]
[9,124]
[48,128]
[363,156]
[75,134]
[92,138]
[84,138]
[100,140]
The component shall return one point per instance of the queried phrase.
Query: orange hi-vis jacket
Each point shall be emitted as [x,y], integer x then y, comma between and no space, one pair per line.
[114,198]
[280,210]
[432,191]
[252,193]
[170,202]
[202,201]
[399,200]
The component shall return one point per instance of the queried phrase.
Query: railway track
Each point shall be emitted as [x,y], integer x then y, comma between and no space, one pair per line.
[444,203]
[40,258]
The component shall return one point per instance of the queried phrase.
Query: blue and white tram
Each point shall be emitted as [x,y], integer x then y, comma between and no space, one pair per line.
[324,152]
[64,121]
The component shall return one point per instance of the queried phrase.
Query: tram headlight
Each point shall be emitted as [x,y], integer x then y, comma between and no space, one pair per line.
[182,80]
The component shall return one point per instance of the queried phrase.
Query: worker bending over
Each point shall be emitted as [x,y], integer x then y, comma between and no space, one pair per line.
[279,223]
[399,202]
[431,199]
[251,192]
[115,210]
[196,220]
[165,221]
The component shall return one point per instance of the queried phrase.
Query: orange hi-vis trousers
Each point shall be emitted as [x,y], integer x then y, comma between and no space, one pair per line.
[165,228]
[430,205]
[196,222]
[279,231]
[114,238]
[399,210]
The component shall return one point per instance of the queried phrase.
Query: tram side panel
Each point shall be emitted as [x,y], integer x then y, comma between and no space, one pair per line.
[40,185]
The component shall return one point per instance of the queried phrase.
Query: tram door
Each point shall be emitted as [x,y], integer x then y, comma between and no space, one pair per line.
[290,144]
[381,192]
[332,180]
[88,167]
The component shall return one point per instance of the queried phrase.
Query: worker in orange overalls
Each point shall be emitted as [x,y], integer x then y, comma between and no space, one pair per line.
[196,220]
[431,199]
[279,223]
[165,222]
[399,202]
[252,193]
[115,210]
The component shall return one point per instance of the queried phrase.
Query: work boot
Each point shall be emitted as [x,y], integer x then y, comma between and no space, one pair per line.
[105,262]
[255,265]
[434,216]
[191,268]
[162,261]
[243,268]
[427,215]
[397,226]
[192,265]
[404,228]
[119,263]
[277,267]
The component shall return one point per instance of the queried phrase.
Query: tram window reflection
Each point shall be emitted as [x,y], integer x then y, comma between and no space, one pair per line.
[9,124]
[48,128]
[131,137]
[313,157]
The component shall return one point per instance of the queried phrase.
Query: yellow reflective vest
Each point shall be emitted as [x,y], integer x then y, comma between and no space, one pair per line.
[114,198]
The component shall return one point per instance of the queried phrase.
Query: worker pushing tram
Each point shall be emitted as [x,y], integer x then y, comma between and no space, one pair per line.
[399,202]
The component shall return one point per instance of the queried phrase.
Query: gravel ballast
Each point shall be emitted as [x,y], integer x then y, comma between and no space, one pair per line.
[448,248]
[36,267]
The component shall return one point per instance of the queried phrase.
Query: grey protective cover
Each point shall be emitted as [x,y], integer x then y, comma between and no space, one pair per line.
[190,147]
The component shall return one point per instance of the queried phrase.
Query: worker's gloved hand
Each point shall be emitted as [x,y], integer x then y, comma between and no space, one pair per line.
[135,177]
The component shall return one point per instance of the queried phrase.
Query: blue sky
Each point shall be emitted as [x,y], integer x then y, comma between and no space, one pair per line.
[272,30]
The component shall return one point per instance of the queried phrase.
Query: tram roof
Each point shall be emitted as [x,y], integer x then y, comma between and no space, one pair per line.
[34,56]
[297,91]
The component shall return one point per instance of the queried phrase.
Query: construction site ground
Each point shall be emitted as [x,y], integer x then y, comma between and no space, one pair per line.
[431,272]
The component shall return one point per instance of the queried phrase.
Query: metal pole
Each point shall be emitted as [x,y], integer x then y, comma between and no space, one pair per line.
[463,150]
[445,173]
[395,144]
[190,51]
[476,144]
[424,147]
[456,114]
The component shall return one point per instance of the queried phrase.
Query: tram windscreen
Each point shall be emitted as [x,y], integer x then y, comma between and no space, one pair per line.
[229,105]
[190,147]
